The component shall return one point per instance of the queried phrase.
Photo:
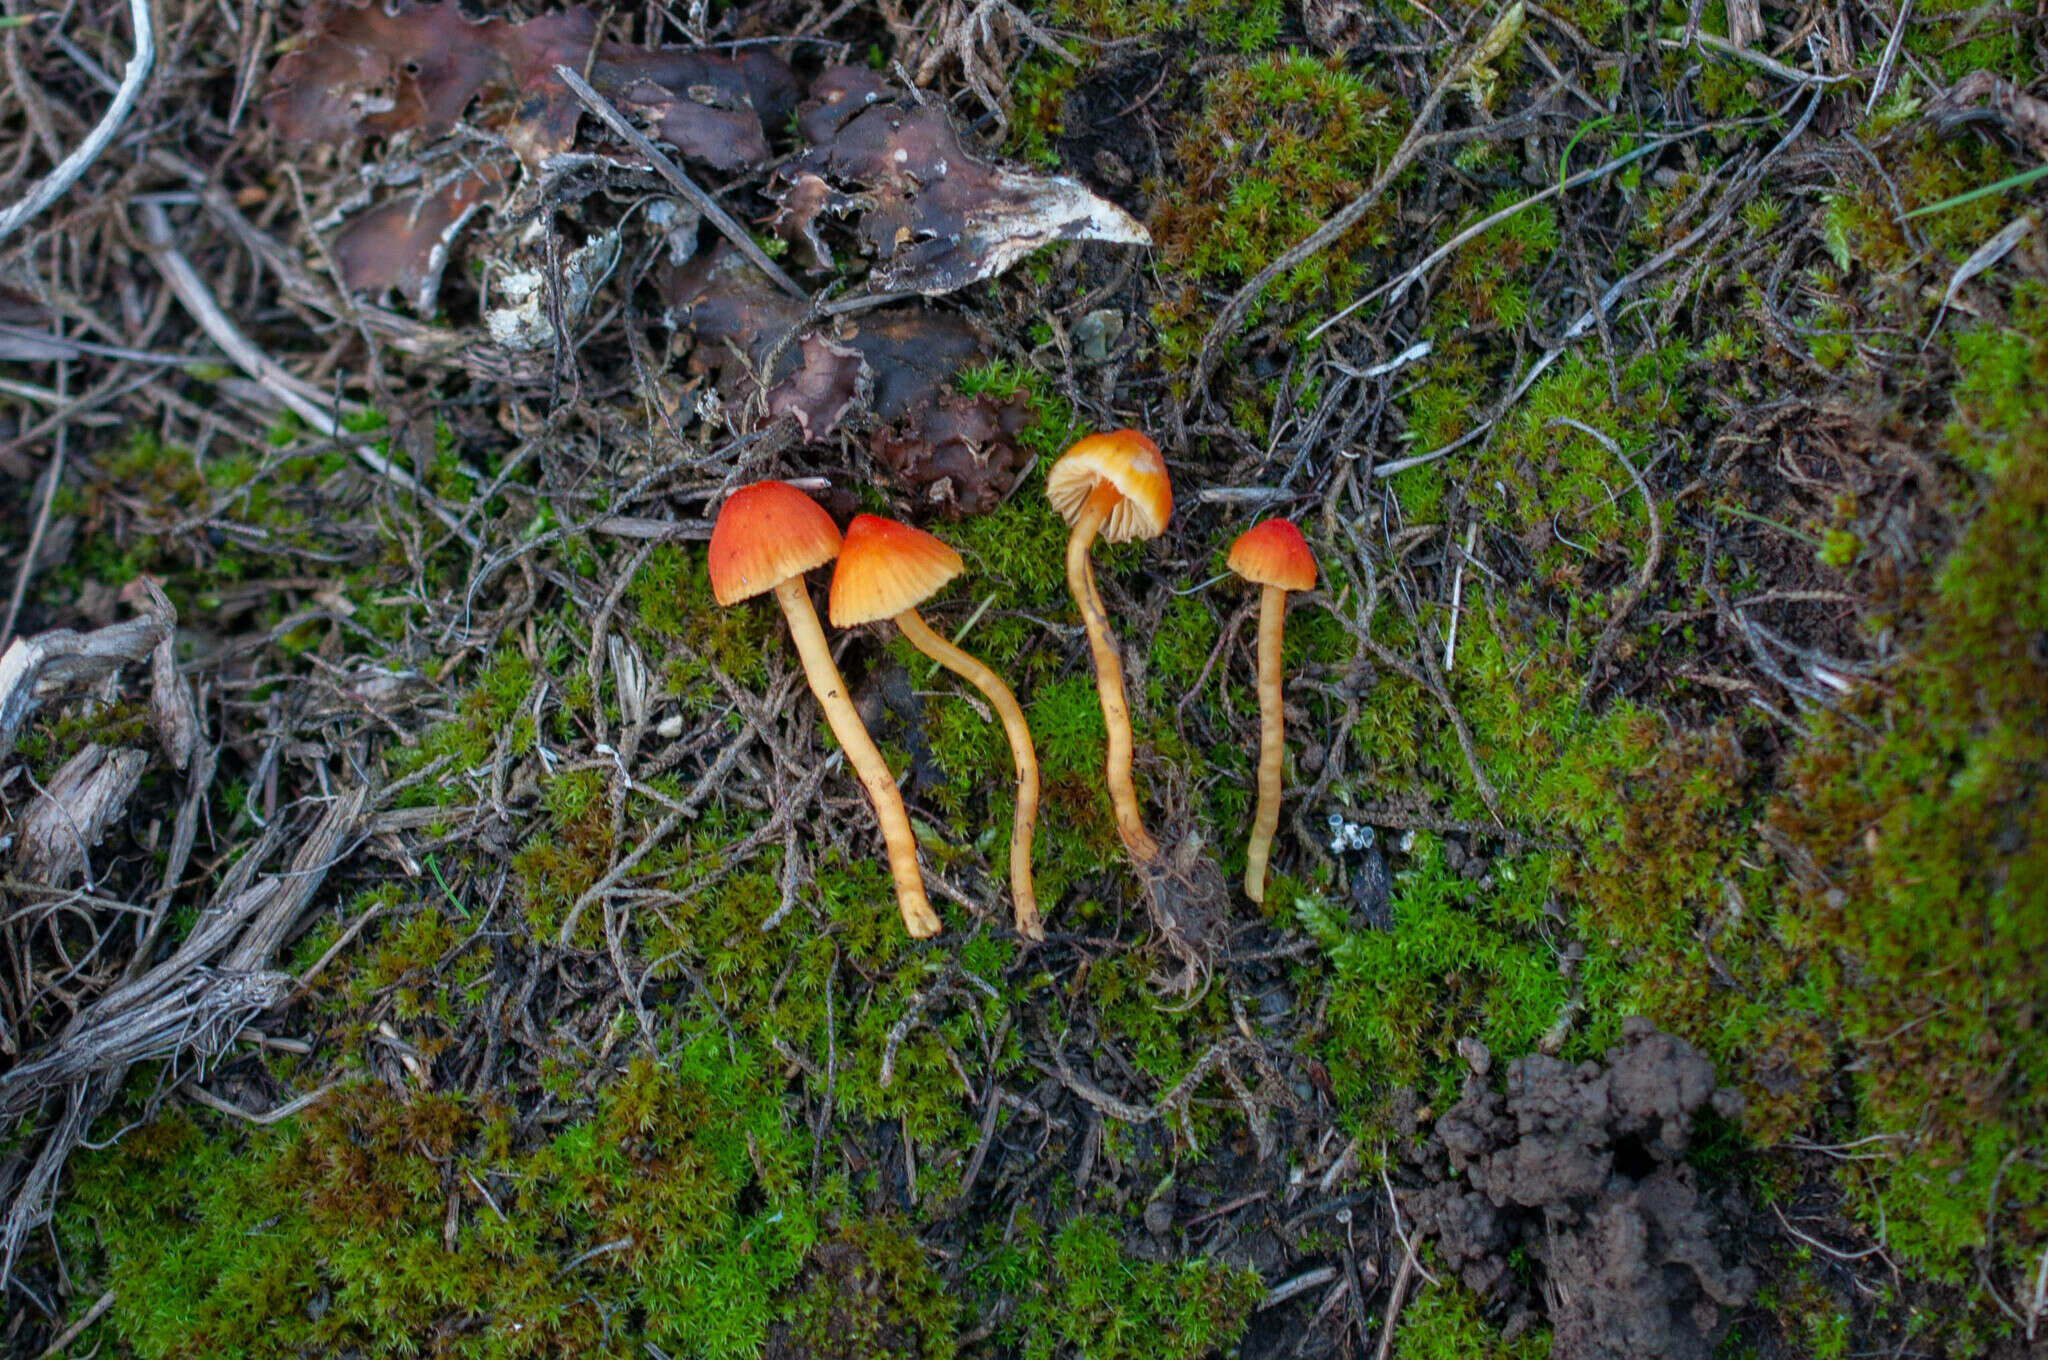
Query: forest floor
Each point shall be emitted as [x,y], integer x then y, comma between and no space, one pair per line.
[430,925]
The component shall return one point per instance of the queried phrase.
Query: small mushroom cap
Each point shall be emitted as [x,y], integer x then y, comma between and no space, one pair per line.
[1273,554]
[885,568]
[765,534]
[1129,461]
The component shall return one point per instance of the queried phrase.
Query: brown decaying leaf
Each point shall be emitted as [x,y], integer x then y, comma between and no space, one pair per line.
[367,69]
[837,95]
[829,381]
[403,243]
[733,311]
[914,354]
[710,108]
[958,455]
[730,308]
[933,217]
[954,455]
[2020,114]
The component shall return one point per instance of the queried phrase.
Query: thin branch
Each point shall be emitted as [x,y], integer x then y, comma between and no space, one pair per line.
[1414,144]
[1395,287]
[51,479]
[197,298]
[680,182]
[53,186]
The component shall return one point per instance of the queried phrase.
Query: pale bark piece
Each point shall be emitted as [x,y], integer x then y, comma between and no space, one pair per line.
[933,217]
[173,716]
[72,813]
[34,668]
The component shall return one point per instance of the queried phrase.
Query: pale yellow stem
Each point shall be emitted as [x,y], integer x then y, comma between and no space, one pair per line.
[918,917]
[1024,900]
[1109,673]
[1272,742]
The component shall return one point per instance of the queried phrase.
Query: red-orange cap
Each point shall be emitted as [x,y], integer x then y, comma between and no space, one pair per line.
[1129,461]
[1273,554]
[765,534]
[885,568]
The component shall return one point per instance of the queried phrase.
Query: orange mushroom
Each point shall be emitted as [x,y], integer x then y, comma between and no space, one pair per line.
[885,571]
[1113,484]
[1273,557]
[767,536]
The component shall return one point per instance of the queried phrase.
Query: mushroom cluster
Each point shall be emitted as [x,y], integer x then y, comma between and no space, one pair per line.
[1112,486]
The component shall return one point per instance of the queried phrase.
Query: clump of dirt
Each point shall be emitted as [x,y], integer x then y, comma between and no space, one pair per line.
[1580,1167]
[867,1291]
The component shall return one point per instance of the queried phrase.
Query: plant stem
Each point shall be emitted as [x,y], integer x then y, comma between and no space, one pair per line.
[861,753]
[1023,897]
[1109,673]
[1272,741]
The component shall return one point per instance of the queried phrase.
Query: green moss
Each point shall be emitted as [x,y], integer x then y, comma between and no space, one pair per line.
[1280,144]
[1443,1322]
[1486,278]
[872,1293]
[1458,961]
[332,1231]
[1919,807]
[1223,23]
[1083,1292]
[1038,96]
[494,709]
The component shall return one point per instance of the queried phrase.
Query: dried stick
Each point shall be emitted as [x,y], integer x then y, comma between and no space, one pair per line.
[53,185]
[77,1329]
[680,182]
[192,292]
[51,479]
[1414,144]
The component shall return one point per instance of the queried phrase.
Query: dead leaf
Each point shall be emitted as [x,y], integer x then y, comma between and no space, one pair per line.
[367,69]
[933,217]
[731,309]
[2018,113]
[829,381]
[914,354]
[957,455]
[403,243]
[837,95]
[710,108]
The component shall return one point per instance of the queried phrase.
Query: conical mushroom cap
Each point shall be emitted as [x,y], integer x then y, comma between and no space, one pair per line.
[765,534]
[885,568]
[1129,461]
[1273,554]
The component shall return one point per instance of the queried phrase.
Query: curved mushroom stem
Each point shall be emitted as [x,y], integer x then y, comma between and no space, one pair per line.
[1272,743]
[1109,674]
[918,917]
[1023,898]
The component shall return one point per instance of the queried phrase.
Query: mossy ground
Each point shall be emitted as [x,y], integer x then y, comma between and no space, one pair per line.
[681,1133]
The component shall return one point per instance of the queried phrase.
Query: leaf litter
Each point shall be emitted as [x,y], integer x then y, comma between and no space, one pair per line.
[441,680]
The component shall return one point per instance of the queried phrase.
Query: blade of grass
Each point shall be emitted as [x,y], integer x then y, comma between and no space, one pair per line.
[2023,178]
